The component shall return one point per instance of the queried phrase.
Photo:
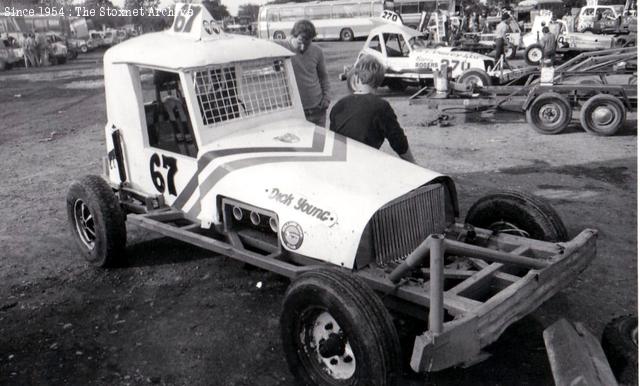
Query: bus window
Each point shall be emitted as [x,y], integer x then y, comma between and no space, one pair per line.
[409,8]
[318,12]
[273,15]
[588,12]
[344,10]
[374,44]
[365,9]
[291,14]
[262,16]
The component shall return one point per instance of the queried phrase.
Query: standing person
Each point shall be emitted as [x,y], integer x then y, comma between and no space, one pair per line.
[501,35]
[310,71]
[367,118]
[29,51]
[548,44]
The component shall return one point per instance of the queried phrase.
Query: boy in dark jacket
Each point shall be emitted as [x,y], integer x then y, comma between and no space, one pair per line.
[367,118]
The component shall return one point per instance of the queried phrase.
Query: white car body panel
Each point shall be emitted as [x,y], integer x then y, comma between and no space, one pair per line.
[271,161]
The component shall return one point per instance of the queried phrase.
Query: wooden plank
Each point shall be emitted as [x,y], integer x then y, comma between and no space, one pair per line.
[419,294]
[575,356]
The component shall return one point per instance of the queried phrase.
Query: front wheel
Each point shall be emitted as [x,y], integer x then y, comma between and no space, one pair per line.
[519,214]
[336,331]
[533,54]
[474,77]
[84,49]
[96,221]
[549,113]
[279,35]
[510,51]
[603,114]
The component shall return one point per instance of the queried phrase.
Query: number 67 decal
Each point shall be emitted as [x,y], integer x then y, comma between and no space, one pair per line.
[184,18]
[168,163]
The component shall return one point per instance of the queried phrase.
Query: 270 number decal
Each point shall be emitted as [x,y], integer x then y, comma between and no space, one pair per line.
[454,64]
[389,15]
[168,163]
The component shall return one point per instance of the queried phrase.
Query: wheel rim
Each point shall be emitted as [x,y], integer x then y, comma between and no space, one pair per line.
[346,35]
[85,224]
[550,114]
[473,80]
[603,115]
[326,346]
[535,55]
[509,228]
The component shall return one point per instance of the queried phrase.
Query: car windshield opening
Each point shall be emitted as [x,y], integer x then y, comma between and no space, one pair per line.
[242,90]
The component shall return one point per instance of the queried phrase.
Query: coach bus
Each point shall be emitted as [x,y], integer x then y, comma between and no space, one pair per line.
[342,19]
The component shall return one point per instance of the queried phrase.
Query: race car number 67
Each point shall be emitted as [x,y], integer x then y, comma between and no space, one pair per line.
[168,163]
[185,17]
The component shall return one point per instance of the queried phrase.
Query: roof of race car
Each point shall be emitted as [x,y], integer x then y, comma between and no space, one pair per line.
[194,40]
[172,51]
[395,28]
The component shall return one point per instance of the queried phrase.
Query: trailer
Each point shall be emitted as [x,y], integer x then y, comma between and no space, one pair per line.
[549,96]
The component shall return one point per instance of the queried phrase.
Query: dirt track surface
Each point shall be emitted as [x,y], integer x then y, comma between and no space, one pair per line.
[178,315]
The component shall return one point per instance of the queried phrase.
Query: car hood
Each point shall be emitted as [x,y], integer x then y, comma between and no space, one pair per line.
[298,171]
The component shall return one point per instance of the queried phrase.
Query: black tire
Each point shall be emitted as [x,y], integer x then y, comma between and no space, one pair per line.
[603,114]
[510,51]
[474,76]
[549,113]
[396,85]
[517,213]
[279,35]
[620,345]
[533,54]
[3,65]
[84,49]
[96,221]
[351,81]
[62,60]
[363,333]
[346,35]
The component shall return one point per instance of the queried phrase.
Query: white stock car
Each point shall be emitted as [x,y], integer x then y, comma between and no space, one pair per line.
[408,59]
[207,143]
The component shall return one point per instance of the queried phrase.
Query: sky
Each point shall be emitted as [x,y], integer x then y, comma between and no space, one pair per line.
[232,5]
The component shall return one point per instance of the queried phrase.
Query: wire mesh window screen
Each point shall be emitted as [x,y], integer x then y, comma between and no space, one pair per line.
[248,89]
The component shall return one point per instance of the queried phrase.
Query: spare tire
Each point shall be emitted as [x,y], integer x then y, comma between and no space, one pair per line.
[533,54]
[620,345]
[519,214]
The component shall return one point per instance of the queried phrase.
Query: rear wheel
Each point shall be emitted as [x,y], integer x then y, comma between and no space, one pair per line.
[97,222]
[336,331]
[346,35]
[603,114]
[474,77]
[279,35]
[519,214]
[533,54]
[84,49]
[549,113]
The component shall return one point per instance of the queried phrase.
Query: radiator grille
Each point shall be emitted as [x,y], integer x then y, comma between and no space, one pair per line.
[401,225]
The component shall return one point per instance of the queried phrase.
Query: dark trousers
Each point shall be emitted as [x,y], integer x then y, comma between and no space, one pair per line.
[499,48]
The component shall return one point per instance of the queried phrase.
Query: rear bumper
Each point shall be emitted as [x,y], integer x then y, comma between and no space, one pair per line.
[462,339]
